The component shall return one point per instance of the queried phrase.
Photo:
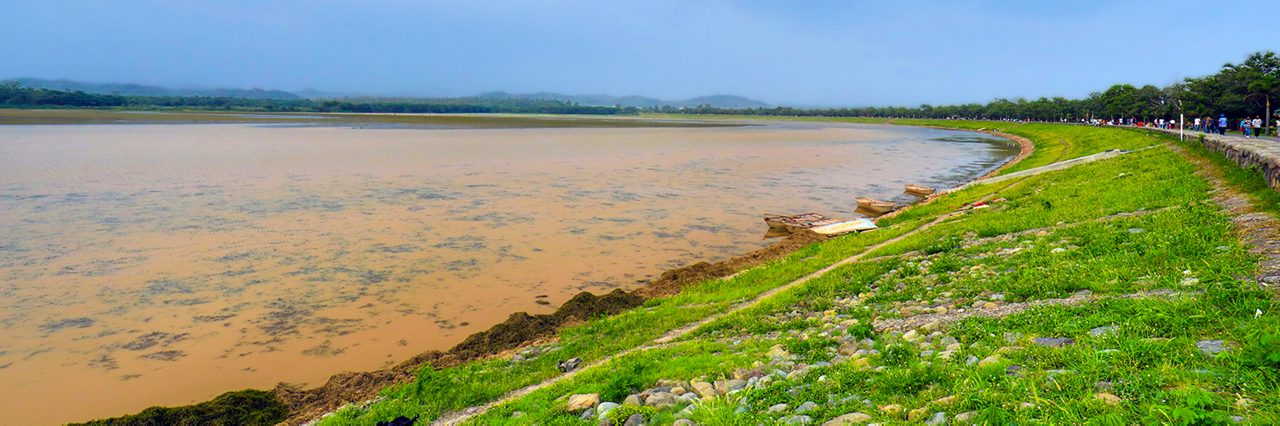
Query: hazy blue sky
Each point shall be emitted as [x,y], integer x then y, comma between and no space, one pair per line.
[786,52]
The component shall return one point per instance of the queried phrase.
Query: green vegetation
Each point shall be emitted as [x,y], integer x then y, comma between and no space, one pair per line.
[1110,292]
[246,407]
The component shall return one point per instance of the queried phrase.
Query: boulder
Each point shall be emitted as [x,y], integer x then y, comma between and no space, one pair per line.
[579,402]
[849,419]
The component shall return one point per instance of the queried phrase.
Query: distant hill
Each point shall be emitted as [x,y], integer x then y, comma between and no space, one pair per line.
[718,101]
[127,89]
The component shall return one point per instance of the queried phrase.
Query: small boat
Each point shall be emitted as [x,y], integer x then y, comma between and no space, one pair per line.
[797,222]
[874,205]
[919,190]
[841,228]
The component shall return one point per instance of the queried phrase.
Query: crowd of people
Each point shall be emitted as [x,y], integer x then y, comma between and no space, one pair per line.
[1250,127]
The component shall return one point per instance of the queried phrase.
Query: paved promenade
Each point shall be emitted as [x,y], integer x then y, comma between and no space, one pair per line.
[1263,153]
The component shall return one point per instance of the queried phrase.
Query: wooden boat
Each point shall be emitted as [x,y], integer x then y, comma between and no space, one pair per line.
[845,227]
[797,222]
[874,205]
[919,190]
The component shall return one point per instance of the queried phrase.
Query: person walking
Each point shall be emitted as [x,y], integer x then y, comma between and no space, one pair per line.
[1196,124]
[1245,128]
[1222,124]
[1257,126]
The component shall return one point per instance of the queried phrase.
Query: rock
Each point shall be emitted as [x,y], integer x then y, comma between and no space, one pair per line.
[971,360]
[660,400]
[939,418]
[996,297]
[1053,342]
[940,310]
[677,391]
[1057,250]
[569,364]
[990,305]
[849,419]
[633,399]
[797,420]
[777,352]
[989,361]
[635,420]
[1136,230]
[916,414]
[806,407]
[583,401]
[588,414]
[1107,398]
[684,422]
[1026,405]
[966,417]
[911,336]
[517,414]
[1103,385]
[604,408]
[861,364]
[945,401]
[688,397]
[1212,347]
[1243,403]
[778,408]
[703,389]
[847,348]
[891,409]
[954,346]
[1104,330]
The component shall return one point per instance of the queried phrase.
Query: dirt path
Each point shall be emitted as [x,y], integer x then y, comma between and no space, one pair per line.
[1258,229]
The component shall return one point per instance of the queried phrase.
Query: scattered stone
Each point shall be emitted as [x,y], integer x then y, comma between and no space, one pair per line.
[1104,330]
[990,305]
[1107,398]
[703,389]
[989,361]
[588,414]
[569,365]
[1053,342]
[797,420]
[777,352]
[660,400]
[1026,406]
[945,401]
[778,408]
[849,419]
[684,422]
[688,397]
[604,408]
[1243,403]
[1212,347]
[911,336]
[580,401]
[966,417]
[916,414]
[633,399]
[1057,250]
[806,407]
[1103,385]
[971,360]
[891,409]
[1136,230]
[635,420]
[517,414]
[939,418]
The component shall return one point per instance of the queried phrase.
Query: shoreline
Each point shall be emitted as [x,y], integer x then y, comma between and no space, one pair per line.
[307,406]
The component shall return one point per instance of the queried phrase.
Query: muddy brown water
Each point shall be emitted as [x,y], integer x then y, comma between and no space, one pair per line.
[150,265]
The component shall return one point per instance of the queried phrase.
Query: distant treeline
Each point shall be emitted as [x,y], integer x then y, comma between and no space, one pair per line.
[14,95]
[1247,89]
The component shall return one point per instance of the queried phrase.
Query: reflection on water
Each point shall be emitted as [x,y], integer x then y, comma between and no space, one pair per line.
[145,265]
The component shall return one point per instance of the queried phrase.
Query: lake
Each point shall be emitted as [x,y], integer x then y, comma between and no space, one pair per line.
[165,264]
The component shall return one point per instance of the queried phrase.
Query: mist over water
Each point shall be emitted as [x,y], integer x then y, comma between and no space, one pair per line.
[150,265]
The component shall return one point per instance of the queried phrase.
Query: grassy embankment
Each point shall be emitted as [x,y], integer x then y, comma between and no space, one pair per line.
[1162,269]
